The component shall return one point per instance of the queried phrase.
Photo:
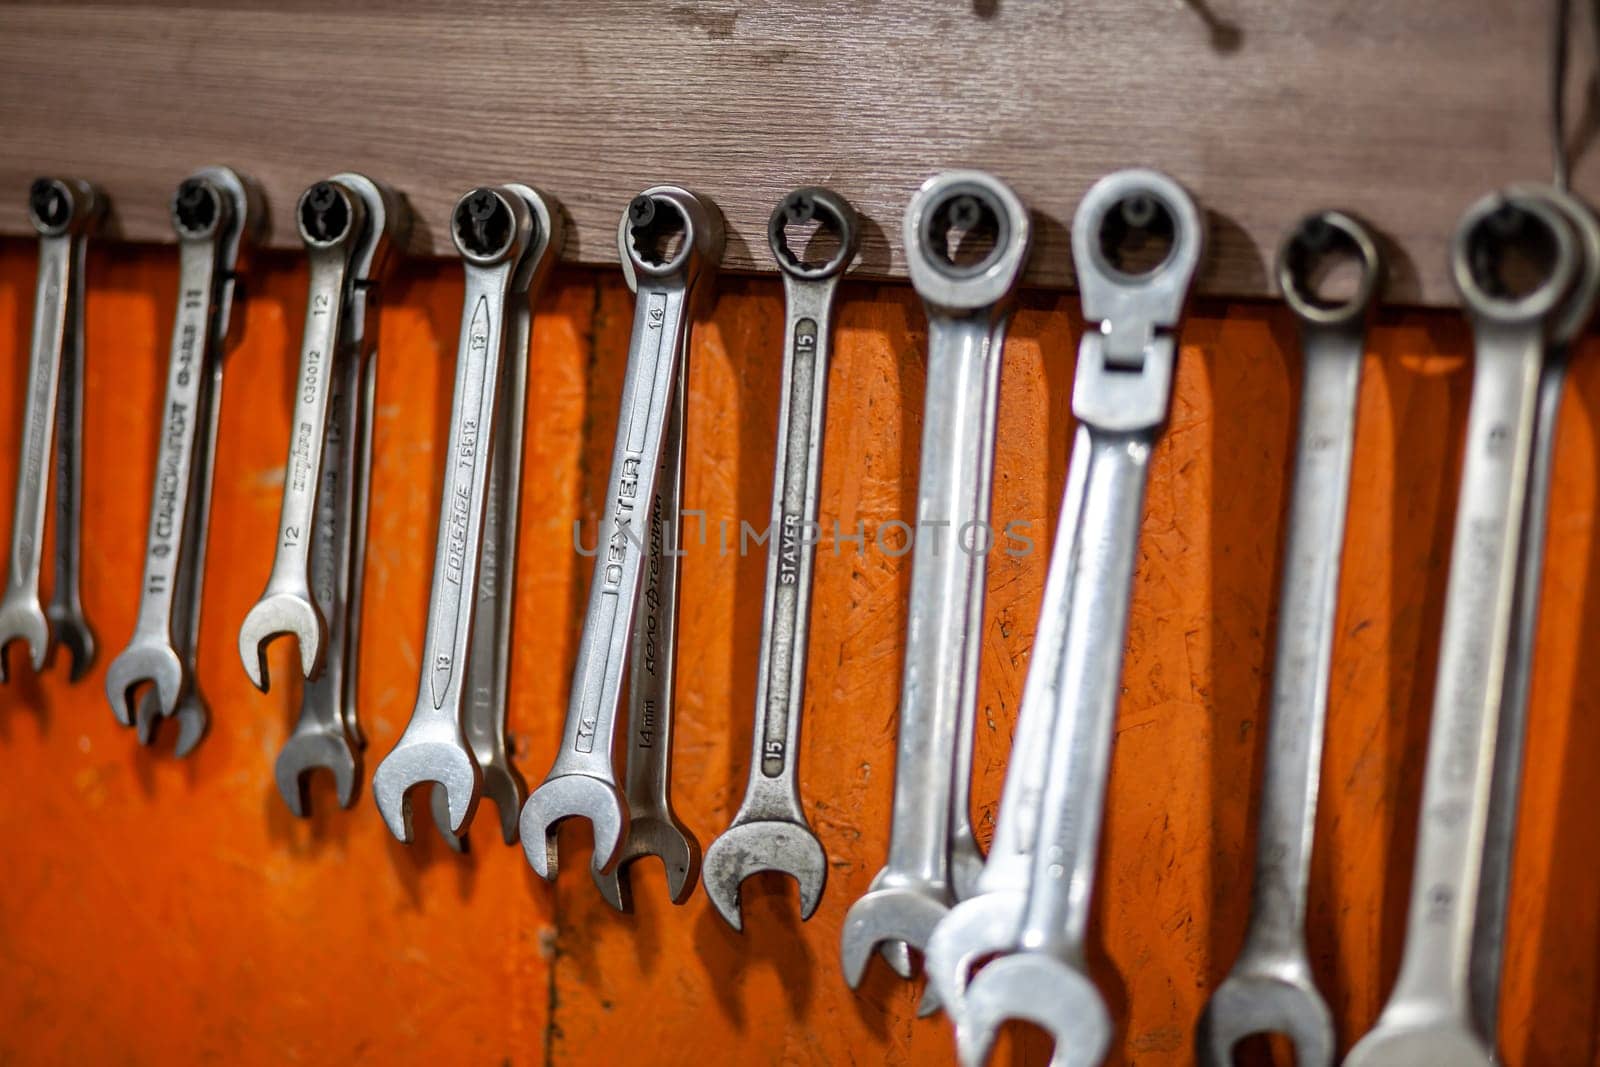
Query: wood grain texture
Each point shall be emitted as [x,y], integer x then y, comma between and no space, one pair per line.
[158,911]
[1266,109]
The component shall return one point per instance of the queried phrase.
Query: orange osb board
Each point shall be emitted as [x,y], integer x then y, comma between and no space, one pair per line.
[156,910]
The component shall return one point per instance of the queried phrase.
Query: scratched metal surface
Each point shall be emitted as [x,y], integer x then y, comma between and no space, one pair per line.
[162,911]
[1405,113]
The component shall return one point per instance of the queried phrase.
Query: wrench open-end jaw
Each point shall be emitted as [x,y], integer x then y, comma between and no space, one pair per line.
[669,240]
[215,212]
[508,236]
[325,735]
[1120,396]
[1430,1016]
[64,211]
[770,832]
[968,305]
[1270,987]
[333,225]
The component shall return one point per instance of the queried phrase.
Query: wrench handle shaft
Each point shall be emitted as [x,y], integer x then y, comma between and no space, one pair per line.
[791,548]
[1318,500]
[69,445]
[660,323]
[1500,834]
[52,298]
[182,412]
[1010,853]
[1104,544]
[489,663]
[946,576]
[653,664]
[479,360]
[1472,661]
[321,355]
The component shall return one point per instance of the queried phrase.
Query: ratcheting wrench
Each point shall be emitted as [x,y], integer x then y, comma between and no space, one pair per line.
[654,829]
[64,212]
[987,921]
[583,782]
[327,734]
[968,306]
[214,212]
[489,661]
[1120,396]
[508,236]
[770,832]
[333,225]
[1500,832]
[1429,1016]
[1270,988]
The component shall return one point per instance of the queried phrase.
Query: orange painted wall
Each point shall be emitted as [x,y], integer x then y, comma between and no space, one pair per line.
[156,910]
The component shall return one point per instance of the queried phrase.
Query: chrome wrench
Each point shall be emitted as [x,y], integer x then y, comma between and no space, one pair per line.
[214,212]
[64,212]
[489,663]
[582,782]
[654,828]
[508,236]
[1500,832]
[327,734]
[333,223]
[968,306]
[987,921]
[770,832]
[1120,396]
[1429,1017]
[1270,988]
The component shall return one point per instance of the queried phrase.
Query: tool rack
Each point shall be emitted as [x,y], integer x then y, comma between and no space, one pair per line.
[163,911]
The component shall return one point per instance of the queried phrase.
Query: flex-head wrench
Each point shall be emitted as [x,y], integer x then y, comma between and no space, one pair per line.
[507,236]
[1120,396]
[968,306]
[770,832]
[987,921]
[214,212]
[326,735]
[654,829]
[64,211]
[1270,988]
[489,662]
[1500,831]
[333,224]
[583,782]
[1429,1017]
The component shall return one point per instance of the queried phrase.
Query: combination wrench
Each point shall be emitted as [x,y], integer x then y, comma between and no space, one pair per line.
[489,661]
[968,305]
[582,782]
[333,225]
[1429,1016]
[1120,397]
[64,211]
[214,212]
[1500,832]
[327,733]
[508,236]
[654,828]
[1270,988]
[770,832]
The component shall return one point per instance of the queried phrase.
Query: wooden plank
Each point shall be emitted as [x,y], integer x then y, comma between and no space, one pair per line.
[1265,108]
